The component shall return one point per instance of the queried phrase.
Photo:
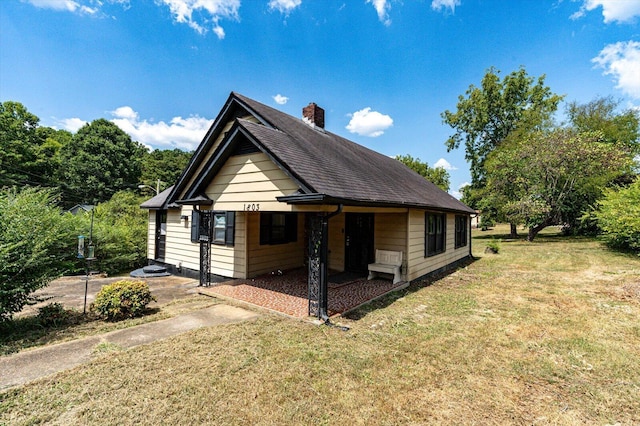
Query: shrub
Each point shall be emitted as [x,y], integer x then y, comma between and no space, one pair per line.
[52,314]
[122,299]
[618,216]
[36,245]
[493,246]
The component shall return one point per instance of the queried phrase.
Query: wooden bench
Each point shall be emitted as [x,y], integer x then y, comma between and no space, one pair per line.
[388,262]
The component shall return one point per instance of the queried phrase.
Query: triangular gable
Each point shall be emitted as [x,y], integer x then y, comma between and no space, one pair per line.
[232,109]
[239,138]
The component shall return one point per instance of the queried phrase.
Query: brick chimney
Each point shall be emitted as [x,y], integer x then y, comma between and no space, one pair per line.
[314,115]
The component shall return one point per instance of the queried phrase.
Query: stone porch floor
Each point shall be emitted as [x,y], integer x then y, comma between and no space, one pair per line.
[287,293]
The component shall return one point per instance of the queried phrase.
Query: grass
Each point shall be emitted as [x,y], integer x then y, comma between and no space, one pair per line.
[28,331]
[541,333]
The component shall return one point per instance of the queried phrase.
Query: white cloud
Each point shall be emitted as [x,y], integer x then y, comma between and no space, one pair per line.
[280,100]
[65,5]
[439,5]
[612,10]
[183,133]
[622,61]
[444,164]
[382,8]
[458,193]
[284,6]
[72,124]
[369,123]
[182,11]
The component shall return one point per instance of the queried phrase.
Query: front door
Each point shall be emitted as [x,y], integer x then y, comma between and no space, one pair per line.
[358,241]
[161,234]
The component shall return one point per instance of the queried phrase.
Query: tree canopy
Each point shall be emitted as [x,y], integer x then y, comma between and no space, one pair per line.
[436,175]
[100,161]
[534,178]
[488,114]
[165,166]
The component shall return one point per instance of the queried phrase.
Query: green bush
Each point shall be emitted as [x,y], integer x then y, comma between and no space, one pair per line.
[122,299]
[119,233]
[53,314]
[493,246]
[618,216]
[37,245]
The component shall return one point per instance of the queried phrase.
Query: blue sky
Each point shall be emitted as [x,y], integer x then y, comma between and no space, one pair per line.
[384,70]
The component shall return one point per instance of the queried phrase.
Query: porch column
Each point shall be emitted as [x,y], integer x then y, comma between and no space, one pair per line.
[317,277]
[318,260]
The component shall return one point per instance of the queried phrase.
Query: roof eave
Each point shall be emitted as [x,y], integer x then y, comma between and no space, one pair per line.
[323,199]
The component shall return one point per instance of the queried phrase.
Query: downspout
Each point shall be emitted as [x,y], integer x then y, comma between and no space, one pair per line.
[324,255]
[470,217]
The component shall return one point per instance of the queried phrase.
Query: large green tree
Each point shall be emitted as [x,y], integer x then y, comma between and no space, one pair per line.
[534,178]
[164,166]
[436,175]
[603,114]
[100,160]
[485,116]
[36,245]
[618,127]
[18,139]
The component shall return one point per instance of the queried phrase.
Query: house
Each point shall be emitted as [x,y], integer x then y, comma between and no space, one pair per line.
[80,208]
[265,191]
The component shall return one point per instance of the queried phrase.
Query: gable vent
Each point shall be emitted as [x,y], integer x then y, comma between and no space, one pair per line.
[244,147]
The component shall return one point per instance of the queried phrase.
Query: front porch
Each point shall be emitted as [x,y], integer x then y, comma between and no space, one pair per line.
[288,293]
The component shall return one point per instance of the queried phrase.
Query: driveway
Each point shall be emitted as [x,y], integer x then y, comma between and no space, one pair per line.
[69,291]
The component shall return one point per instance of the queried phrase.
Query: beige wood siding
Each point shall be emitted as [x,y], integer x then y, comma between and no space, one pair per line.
[390,233]
[151,235]
[336,243]
[227,261]
[418,265]
[250,182]
[213,148]
[267,258]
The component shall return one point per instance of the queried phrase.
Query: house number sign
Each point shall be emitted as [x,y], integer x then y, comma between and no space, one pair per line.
[252,207]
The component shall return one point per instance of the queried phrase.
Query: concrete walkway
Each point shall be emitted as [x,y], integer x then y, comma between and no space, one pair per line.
[30,365]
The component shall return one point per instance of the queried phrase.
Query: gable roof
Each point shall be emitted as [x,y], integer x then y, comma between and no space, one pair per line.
[328,168]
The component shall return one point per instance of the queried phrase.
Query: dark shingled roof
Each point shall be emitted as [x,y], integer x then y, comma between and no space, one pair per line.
[342,169]
[331,168]
[158,201]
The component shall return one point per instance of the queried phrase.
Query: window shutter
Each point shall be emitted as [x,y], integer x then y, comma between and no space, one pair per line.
[231,224]
[195,226]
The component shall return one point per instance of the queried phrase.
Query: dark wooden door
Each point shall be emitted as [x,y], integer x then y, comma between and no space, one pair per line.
[359,251]
[161,234]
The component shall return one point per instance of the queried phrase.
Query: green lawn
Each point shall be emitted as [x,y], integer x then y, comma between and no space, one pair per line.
[541,333]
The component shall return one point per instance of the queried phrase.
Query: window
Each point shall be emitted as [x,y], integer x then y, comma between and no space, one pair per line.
[461,231]
[278,228]
[214,226]
[219,228]
[435,233]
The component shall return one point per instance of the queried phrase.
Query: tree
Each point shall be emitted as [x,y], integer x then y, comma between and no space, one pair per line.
[532,179]
[100,160]
[490,113]
[618,216]
[601,115]
[164,165]
[17,141]
[436,175]
[119,232]
[36,245]
[620,128]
